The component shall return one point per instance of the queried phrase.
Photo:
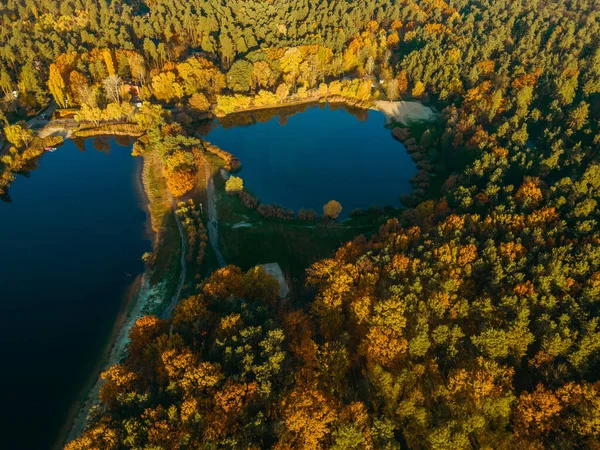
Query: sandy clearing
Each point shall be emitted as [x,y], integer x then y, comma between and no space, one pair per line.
[405,112]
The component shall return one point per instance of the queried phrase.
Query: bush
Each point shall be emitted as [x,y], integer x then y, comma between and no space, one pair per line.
[232,164]
[199,101]
[310,215]
[402,134]
[357,213]
[248,199]
[275,211]
[234,185]
[332,209]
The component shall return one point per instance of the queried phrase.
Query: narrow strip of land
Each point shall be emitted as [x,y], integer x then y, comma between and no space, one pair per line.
[184,249]
[213,221]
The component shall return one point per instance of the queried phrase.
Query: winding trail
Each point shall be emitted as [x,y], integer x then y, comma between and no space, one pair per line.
[213,220]
[184,249]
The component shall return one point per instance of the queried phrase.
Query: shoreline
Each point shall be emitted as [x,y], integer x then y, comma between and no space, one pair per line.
[312,100]
[75,421]
[137,296]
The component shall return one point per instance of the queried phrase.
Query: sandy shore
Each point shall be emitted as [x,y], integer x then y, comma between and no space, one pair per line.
[405,112]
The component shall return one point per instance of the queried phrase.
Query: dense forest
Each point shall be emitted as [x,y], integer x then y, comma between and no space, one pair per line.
[470,321]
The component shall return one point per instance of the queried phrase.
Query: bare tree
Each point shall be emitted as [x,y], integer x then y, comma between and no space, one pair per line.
[86,95]
[370,66]
[112,87]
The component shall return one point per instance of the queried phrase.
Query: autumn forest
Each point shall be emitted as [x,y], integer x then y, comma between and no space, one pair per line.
[468,319]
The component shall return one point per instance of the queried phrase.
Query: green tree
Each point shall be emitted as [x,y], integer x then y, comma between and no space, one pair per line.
[239,76]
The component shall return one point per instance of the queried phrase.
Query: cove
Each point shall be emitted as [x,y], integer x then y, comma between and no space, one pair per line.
[303,160]
[71,241]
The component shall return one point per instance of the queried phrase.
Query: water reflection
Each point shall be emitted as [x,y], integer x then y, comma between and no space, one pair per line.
[303,156]
[282,114]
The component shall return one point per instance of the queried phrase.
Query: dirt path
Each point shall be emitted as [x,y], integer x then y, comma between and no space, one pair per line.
[52,127]
[213,220]
[184,249]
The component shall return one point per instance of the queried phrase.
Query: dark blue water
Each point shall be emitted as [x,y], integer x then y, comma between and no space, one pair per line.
[320,155]
[70,245]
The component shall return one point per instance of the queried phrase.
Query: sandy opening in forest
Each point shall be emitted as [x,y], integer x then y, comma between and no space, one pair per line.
[406,112]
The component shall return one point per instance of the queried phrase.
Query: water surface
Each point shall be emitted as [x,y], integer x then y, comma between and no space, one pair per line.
[70,243]
[324,153]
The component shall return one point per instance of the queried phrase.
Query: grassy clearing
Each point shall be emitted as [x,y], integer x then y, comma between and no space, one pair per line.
[295,245]
[155,187]
[168,248]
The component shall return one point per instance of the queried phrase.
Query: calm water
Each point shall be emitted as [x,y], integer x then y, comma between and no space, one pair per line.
[324,153]
[70,245]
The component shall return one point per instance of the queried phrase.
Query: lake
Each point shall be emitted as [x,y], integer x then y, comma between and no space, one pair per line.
[71,242]
[303,160]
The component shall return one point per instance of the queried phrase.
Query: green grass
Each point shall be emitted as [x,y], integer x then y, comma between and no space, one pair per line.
[167,264]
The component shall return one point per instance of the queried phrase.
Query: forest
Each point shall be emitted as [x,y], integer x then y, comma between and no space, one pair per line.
[470,321]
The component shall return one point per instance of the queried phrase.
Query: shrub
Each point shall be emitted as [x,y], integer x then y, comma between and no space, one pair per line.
[402,134]
[332,209]
[248,199]
[232,164]
[234,184]
[309,215]
[199,101]
[376,210]
[148,258]
[426,139]
[275,211]
[357,213]
[265,98]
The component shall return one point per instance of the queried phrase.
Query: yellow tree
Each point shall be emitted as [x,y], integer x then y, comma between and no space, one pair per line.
[308,416]
[57,86]
[77,84]
[109,61]
[199,101]
[18,134]
[166,87]
[290,65]
[262,75]
[332,209]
